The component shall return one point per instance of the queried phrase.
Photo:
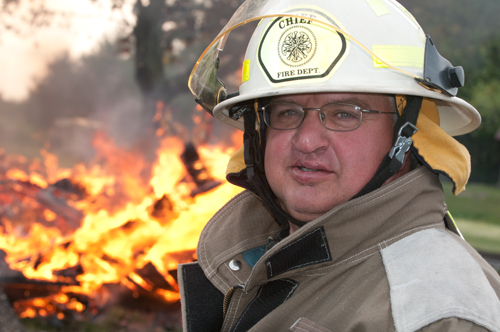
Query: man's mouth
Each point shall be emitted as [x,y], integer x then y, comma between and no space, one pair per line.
[305,169]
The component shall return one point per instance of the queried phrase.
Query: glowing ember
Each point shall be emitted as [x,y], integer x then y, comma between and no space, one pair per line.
[121,223]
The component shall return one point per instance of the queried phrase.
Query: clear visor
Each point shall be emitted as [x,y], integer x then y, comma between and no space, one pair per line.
[208,89]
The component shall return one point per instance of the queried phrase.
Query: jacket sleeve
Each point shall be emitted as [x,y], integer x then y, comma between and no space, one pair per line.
[454,324]
[201,301]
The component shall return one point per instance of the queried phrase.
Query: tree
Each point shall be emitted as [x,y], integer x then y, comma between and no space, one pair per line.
[484,94]
[169,38]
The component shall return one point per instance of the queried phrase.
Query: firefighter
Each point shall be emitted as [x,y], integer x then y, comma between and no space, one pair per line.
[348,112]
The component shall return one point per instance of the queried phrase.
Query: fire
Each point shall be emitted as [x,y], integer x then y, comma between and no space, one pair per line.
[115,223]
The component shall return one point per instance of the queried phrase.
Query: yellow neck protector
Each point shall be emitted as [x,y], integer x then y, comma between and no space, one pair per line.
[439,151]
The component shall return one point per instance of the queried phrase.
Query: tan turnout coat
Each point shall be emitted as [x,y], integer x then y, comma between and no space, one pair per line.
[383,262]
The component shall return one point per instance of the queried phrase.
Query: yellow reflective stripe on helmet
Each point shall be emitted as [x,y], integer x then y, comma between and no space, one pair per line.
[246,71]
[398,55]
[378,7]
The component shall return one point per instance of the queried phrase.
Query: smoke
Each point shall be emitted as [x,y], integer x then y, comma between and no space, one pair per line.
[71,102]
[34,33]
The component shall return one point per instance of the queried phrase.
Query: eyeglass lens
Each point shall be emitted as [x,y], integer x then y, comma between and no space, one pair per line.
[339,117]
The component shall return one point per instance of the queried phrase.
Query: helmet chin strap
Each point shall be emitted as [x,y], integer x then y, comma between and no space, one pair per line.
[404,128]
[254,150]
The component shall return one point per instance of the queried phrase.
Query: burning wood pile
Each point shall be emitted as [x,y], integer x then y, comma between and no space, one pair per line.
[73,239]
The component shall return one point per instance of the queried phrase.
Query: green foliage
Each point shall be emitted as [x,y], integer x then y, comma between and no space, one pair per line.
[491,54]
[485,158]
[476,213]
[482,236]
[458,27]
[478,202]
[484,94]
[486,98]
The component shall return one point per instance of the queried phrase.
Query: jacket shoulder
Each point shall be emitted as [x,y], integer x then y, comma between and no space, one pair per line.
[433,277]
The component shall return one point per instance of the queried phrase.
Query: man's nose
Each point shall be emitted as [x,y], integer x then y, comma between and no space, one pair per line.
[311,136]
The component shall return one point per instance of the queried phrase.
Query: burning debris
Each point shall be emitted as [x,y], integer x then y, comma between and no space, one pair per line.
[82,236]
[198,172]
[23,202]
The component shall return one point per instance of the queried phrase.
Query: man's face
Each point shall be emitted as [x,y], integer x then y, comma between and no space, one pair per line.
[343,162]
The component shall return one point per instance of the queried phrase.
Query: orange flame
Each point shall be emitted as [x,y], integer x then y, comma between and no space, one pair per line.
[120,231]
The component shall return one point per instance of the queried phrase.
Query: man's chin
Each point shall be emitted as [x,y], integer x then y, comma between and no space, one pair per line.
[309,206]
[306,214]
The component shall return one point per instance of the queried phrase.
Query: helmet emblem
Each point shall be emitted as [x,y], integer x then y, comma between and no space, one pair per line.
[298,46]
[293,49]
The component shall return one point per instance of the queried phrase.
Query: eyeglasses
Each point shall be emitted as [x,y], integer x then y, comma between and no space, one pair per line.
[335,116]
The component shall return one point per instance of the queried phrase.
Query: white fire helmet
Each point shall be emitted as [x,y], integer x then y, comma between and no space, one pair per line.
[364,46]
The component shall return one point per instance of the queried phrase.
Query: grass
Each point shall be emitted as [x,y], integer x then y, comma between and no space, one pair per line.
[477,213]
[482,236]
[479,202]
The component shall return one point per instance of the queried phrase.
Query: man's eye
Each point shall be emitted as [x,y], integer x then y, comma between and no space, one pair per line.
[344,115]
[288,112]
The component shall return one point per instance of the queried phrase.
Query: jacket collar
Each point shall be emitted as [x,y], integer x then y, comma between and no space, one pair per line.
[349,231]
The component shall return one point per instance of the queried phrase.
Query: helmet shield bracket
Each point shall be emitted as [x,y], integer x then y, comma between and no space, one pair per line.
[439,73]
[214,91]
